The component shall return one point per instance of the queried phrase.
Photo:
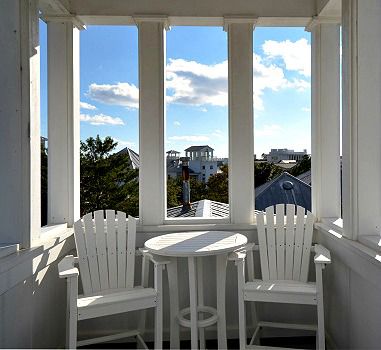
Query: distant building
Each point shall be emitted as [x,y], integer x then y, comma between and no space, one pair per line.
[202,164]
[283,154]
[201,161]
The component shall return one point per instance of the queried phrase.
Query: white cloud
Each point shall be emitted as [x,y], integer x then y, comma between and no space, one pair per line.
[295,55]
[197,84]
[189,138]
[217,133]
[122,94]
[306,109]
[267,130]
[176,123]
[85,105]
[123,144]
[101,119]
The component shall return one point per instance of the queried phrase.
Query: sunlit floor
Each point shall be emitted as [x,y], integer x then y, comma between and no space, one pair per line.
[290,342]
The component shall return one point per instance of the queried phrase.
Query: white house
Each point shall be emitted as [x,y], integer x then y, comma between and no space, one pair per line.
[33,298]
[277,155]
[201,161]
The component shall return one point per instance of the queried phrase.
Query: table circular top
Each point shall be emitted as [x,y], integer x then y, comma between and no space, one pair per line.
[195,243]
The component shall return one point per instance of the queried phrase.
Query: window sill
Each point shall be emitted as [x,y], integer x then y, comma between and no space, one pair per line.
[8,249]
[51,236]
[196,225]
[370,254]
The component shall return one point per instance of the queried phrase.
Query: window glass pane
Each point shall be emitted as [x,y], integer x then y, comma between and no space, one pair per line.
[197,122]
[282,110]
[109,119]
[44,121]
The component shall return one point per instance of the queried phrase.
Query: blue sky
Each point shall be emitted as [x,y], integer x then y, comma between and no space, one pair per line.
[196,87]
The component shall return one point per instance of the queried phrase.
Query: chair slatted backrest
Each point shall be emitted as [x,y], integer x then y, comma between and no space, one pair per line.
[106,250]
[285,244]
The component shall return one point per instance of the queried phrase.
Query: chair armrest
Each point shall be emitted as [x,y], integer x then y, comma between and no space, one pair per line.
[322,255]
[155,259]
[237,255]
[66,267]
[240,253]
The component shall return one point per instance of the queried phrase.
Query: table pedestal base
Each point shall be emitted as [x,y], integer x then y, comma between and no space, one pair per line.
[197,310]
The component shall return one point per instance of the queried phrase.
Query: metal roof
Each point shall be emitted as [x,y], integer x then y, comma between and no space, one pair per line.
[203,209]
[134,157]
[285,189]
[197,148]
[305,177]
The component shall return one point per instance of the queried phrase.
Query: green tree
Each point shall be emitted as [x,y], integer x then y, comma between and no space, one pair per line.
[218,186]
[264,172]
[107,180]
[44,185]
[303,166]
[174,191]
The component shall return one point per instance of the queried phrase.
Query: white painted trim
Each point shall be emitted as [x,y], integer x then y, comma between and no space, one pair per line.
[325,121]
[241,121]
[197,21]
[152,111]
[322,20]
[371,241]
[336,243]
[138,19]
[76,21]
[8,249]
[206,225]
[350,194]
[228,20]
[63,123]
[15,268]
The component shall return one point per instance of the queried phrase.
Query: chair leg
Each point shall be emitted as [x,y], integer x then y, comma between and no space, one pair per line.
[71,313]
[159,307]
[320,308]
[221,301]
[174,304]
[241,305]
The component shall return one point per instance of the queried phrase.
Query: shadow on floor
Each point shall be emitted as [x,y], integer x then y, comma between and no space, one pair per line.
[289,342]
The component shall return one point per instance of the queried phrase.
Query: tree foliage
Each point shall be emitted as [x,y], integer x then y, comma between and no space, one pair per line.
[44,185]
[264,172]
[218,186]
[107,179]
[303,166]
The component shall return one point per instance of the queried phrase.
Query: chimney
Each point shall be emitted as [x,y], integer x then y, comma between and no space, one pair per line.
[186,184]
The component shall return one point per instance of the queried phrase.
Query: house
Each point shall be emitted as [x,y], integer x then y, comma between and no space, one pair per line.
[33,298]
[202,162]
[283,154]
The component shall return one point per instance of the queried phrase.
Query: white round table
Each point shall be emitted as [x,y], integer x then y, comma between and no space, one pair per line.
[192,245]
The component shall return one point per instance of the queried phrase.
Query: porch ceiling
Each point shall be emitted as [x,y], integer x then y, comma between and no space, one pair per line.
[179,8]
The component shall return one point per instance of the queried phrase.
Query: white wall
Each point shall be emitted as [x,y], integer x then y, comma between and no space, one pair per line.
[32,298]
[352,289]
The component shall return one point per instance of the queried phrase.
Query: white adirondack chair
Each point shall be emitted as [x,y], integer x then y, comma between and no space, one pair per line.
[285,245]
[106,259]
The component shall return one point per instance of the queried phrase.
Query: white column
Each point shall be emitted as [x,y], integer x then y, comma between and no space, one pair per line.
[361,117]
[20,208]
[241,121]
[152,194]
[325,138]
[63,123]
